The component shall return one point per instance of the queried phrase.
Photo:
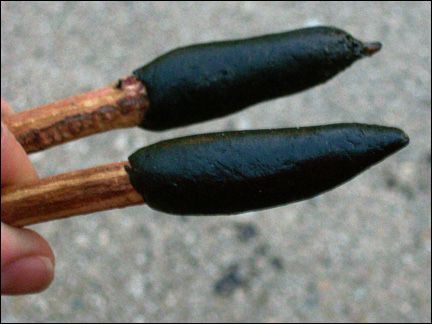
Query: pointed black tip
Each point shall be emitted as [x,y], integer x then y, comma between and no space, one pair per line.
[381,141]
[404,139]
[394,139]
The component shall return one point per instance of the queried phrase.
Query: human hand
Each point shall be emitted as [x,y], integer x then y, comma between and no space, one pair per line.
[27,261]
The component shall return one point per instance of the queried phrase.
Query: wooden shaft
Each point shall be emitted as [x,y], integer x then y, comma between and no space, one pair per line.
[79,192]
[118,106]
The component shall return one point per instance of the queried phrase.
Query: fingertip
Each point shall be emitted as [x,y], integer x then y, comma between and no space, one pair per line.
[17,243]
[27,261]
[6,110]
[26,276]
[16,167]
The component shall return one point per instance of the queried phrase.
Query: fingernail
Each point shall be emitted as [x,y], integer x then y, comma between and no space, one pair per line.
[30,274]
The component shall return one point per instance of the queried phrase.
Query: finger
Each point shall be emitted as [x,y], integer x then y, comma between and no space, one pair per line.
[27,261]
[6,110]
[16,167]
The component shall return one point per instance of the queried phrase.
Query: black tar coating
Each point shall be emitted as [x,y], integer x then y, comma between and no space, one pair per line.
[234,172]
[206,81]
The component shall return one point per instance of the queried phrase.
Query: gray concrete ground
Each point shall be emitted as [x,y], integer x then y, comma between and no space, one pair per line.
[361,252]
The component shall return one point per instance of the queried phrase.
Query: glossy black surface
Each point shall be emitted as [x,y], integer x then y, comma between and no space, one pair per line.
[201,82]
[233,172]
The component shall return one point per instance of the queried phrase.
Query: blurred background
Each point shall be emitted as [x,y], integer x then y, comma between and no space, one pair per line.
[359,253]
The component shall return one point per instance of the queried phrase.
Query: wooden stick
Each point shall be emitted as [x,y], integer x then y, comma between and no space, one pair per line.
[118,106]
[80,192]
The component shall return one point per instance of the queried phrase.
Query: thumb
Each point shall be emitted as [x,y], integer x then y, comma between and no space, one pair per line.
[27,261]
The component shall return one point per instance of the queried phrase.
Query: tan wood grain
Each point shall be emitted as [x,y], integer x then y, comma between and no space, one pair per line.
[118,106]
[79,192]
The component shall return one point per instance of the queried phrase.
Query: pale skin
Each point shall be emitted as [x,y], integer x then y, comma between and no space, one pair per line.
[27,260]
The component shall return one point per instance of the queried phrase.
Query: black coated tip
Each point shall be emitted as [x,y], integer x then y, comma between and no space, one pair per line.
[264,168]
[206,81]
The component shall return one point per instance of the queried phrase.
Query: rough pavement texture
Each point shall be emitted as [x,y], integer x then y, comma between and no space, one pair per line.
[361,252]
